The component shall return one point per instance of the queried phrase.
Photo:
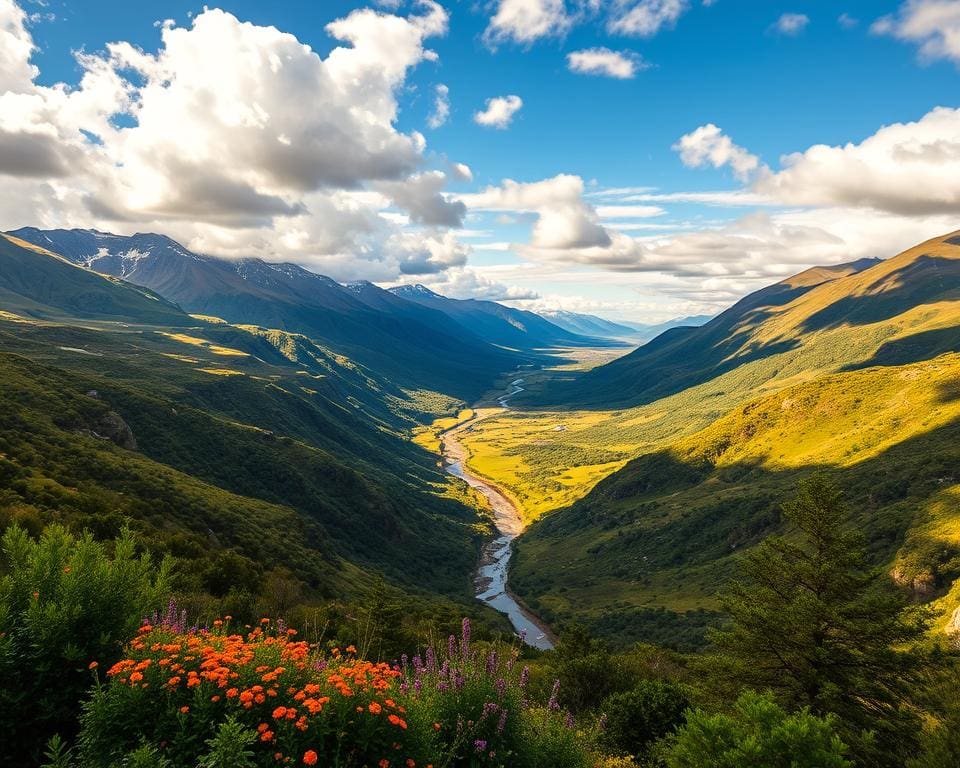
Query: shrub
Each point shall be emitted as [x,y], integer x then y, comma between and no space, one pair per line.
[758,732]
[65,604]
[633,721]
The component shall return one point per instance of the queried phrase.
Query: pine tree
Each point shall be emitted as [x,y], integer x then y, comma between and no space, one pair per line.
[812,622]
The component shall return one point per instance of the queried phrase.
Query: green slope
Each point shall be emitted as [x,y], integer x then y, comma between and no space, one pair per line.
[37,283]
[642,556]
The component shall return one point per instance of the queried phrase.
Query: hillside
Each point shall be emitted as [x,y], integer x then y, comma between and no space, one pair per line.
[641,556]
[256,456]
[419,349]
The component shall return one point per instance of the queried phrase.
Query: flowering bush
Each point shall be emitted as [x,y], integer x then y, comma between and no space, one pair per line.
[195,694]
[64,601]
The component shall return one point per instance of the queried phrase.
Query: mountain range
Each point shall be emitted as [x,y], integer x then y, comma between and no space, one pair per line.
[591,325]
[421,341]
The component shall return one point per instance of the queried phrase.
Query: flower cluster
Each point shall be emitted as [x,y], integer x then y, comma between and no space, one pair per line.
[306,707]
[295,704]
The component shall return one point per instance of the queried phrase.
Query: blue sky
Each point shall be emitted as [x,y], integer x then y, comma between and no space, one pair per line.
[771,87]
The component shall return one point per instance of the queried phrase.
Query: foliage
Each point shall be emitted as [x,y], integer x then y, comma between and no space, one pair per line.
[812,622]
[760,733]
[264,693]
[634,720]
[66,604]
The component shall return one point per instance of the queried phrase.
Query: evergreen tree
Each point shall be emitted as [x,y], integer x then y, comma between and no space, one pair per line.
[813,623]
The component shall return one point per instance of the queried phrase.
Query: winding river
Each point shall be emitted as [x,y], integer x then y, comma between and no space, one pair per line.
[491,578]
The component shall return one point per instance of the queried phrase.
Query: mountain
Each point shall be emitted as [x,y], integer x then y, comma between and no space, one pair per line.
[849,370]
[588,325]
[40,284]
[496,323]
[819,320]
[273,468]
[424,350]
[646,332]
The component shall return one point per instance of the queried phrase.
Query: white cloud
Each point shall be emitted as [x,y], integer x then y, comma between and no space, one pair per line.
[904,168]
[933,25]
[644,18]
[498,112]
[441,107]
[708,145]
[847,21]
[525,21]
[461,171]
[790,24]
[564,219]
[622,65]
[421,196]
[258,170]
[629,211]
[470,283]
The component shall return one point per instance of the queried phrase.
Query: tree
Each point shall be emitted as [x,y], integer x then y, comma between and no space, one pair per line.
[757,733]
[814,624]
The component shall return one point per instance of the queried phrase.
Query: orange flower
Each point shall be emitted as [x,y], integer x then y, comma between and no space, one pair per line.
[384,763]
[411,763]
[309,757]
[375,708]
[92,665]
[184,709]
[266,736]
[279,713]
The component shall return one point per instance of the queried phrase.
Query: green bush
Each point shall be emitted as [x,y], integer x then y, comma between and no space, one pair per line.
[757,733]
[636,719]
[66,604]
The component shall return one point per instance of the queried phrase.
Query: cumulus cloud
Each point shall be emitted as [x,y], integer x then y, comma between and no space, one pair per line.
[471,283]
[220,144]
[847,21]
[622,65]
[563,219]
[422,198]
[904,168]
[644,18]
[441,107]
[790,24]
[498,111]
[708,145]
[525,21]
[933,25]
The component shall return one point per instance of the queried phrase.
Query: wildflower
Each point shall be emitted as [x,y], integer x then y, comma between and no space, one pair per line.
[309,757]
[554,703]
[375,708]
[465,638]
[480,745]
[93,665]
[184,709]
[384,763]
[279,713]
[411,763]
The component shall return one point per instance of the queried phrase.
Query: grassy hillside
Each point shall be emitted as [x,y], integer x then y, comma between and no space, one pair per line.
[269,464]
[643,554]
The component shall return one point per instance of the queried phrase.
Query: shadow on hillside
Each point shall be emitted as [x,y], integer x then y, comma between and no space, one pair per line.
[691,518]
[915,348]
[919,282]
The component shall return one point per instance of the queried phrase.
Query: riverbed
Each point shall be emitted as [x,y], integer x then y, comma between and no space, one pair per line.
[491,578]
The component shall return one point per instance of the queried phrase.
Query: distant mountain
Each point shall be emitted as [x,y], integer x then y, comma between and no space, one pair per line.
[39,284]
[588,325]
[403,340]
[646,332]
[496,323]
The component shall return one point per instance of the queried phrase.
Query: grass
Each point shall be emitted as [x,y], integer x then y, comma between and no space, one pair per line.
[664,532]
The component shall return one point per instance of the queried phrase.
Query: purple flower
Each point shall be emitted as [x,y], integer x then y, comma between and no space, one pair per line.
[403,662]
[491,663]
[480,745]
[502,723]
[501,688]
[418,685]
[488,709]
[457,680]
[524,677]
[569,721]
[554,702]
[451,647]
[431,660]
[465,639]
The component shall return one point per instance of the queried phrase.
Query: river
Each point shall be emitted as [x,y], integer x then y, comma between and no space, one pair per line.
[491,578]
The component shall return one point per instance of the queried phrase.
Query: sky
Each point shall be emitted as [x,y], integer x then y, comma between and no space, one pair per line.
[636,159]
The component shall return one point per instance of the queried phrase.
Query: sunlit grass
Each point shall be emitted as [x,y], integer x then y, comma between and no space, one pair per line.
[195,341]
